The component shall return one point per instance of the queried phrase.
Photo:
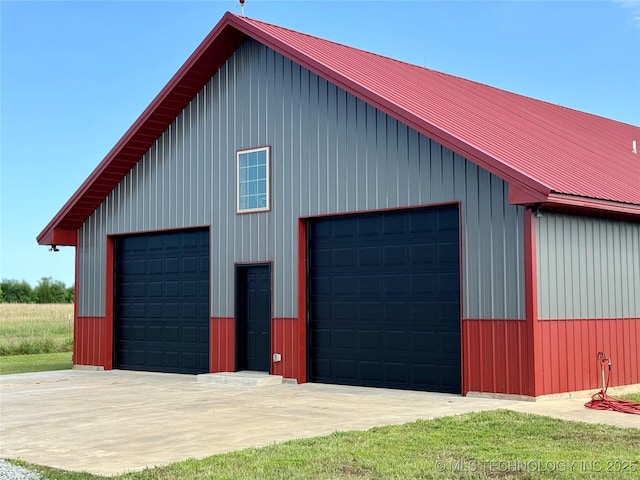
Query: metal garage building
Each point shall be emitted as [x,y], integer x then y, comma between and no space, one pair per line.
[292,205]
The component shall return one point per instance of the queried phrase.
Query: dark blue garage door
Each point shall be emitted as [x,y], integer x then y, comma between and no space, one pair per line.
[384,300]
[161,320]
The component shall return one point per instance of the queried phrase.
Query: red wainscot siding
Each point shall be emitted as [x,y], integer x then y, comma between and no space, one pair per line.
[221,344]
[285,335]
[90,342]
[495,356]
[569,350]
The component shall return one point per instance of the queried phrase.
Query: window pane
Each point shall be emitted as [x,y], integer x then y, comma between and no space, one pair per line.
[252,180]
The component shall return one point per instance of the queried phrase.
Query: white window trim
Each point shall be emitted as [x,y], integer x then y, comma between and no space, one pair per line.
[260,209]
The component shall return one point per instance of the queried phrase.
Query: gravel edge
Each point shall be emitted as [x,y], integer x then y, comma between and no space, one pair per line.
[8,471]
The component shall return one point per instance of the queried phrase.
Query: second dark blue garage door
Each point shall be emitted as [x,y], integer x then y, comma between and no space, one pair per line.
[384,300]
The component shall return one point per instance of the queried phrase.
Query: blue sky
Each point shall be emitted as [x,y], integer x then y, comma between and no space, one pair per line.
[75,75]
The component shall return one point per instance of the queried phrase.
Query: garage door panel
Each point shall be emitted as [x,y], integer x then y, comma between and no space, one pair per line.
[189,334]
[343,285]
[369,256]
[344,257]
[422,224]
[393,318]
[155,266]
[422,254]
[172,288]
[343,338]
[450,343]
[367,285]
[396,313]
[448,254]
[423,285]
[154,358]
[447,223]
[396,340]
[366,227]
[393,224]
[138,290]
[369,311]
[162,310]
[155,333]
[395,255]
[343,311]
[422,342]
[427,376]
[370,371]
[321,285]
[322,367]
[345,369]
[449,313]
[190,288]
[171,265]
[395,284]
[370,339]
[190,264]
[155,289]
[398,373]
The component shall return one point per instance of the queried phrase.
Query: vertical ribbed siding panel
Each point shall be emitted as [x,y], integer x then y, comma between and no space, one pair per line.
[331,153]
[569,351]
[587,267]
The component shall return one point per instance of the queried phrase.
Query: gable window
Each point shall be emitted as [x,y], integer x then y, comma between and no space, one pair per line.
[253,180]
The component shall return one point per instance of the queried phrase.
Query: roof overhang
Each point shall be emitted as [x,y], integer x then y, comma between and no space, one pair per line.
[572,203]
[57,236]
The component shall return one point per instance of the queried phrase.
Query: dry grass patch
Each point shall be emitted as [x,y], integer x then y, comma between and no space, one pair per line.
[35,328]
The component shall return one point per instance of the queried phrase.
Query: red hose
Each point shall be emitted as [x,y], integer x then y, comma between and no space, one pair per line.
[602,401]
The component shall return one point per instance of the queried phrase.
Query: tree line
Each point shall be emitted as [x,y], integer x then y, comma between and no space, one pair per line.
[47,291]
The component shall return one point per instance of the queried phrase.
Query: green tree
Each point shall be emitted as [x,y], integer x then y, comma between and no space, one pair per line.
[70,294]
[50,291]
[14,291]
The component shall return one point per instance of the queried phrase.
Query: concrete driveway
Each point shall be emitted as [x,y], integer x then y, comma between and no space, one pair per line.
[116,421]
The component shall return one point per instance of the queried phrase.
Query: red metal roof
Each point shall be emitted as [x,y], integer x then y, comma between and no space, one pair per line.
[548,153]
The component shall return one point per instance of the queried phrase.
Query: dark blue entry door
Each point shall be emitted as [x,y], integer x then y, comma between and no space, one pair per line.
[161,302]
[253,321]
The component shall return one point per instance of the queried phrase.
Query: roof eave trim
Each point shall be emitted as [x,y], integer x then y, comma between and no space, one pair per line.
[58,236]
[592,204]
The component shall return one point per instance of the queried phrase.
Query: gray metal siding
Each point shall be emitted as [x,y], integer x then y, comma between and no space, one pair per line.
[587,267]
[331,153]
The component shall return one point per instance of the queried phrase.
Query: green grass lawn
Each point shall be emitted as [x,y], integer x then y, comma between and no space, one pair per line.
[38,362]
[632,397]
[488,445]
